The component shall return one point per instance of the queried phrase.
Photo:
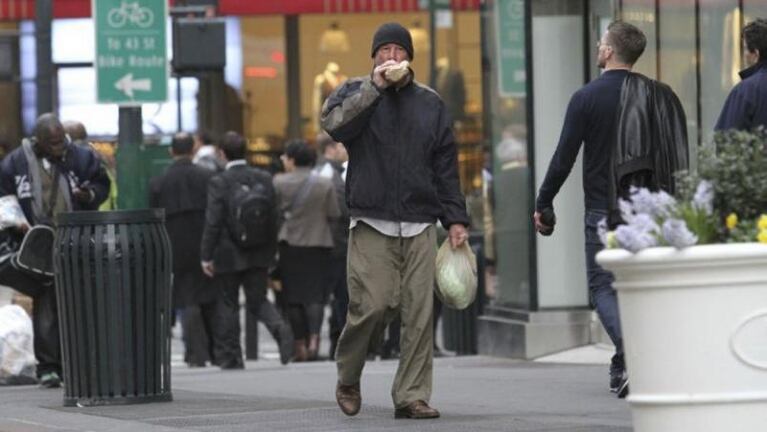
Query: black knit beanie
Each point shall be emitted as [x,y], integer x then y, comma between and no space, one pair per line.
[392,33]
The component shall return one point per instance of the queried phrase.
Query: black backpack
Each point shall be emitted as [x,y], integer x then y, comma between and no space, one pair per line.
[252,214]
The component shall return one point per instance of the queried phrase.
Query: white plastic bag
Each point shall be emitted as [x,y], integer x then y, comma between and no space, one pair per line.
[17,357]
[11,214]
[456,275]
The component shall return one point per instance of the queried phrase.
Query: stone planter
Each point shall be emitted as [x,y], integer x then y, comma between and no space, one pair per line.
[695,334]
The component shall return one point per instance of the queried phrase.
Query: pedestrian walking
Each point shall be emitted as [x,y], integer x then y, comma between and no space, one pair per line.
[746,106]
[105,152]
[619,151]
[402,178]
[205,152]
[238,246]
[49,175]
[77,133]
[330,165]
[182,191]
[308,206]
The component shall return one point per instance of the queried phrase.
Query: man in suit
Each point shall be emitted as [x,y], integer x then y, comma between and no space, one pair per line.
[231,265]
[181,191]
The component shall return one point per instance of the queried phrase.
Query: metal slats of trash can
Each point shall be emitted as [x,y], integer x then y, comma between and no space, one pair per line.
[113,276]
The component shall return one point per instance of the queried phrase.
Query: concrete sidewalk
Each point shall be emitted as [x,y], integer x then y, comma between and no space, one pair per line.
[565,391]
[473,394]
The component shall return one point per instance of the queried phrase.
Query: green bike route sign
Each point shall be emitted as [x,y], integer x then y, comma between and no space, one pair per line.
[510,26]
[131,52]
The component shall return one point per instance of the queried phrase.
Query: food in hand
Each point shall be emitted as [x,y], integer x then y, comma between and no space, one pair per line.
[398,71]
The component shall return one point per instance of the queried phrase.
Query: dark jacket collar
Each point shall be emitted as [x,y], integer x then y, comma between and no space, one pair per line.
[182,161]
[749,71]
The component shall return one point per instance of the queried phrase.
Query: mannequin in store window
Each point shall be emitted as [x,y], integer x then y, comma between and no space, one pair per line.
[450,86]
[324,84]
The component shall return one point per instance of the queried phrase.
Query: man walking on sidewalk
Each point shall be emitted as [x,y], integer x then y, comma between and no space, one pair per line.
[403,176]
[181,191]
[238,246]
[600,115]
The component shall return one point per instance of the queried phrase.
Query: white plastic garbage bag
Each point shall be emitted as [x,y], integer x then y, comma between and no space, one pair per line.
[17,357]
[11,214]
[456,275]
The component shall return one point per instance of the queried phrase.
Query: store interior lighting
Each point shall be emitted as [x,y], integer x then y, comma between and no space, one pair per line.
[334,40]
[420,37]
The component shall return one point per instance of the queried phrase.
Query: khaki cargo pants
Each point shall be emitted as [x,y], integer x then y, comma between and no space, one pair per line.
[389,275]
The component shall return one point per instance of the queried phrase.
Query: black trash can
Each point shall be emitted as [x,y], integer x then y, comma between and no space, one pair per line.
[459,327]
[113,275]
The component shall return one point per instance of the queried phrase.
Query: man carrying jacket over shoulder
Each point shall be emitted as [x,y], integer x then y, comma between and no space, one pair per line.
[633,132]
[402,178]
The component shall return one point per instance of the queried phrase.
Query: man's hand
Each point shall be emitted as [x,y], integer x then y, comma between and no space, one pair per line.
[458,235]
[541,226]
[207,268]
[379,78]
[82,195]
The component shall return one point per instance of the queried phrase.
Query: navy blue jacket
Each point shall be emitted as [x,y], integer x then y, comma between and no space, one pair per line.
[78,166]
[746,106]
[591,119]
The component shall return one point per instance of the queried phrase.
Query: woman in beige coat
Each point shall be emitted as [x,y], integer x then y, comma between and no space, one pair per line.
[307,203]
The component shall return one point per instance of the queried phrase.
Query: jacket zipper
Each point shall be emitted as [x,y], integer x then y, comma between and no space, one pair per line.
[397,209]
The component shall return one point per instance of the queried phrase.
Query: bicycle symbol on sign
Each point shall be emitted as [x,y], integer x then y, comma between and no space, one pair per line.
[130,12]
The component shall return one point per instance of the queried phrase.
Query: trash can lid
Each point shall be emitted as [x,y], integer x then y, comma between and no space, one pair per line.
[154,215]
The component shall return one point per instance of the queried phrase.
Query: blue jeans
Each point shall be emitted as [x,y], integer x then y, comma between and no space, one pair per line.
[601,292]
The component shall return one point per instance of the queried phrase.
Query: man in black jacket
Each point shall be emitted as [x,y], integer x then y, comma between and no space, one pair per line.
[746,106]
[591,119]
[50,175]
[403,177]
[232,265]
[181,191]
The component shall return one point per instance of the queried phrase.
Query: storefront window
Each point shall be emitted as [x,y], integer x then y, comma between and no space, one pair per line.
[264,83]
[753,9]
[458,79]
[677,65]
[719,58]
[641,13]
[10,90]
[601,14]
[510,181]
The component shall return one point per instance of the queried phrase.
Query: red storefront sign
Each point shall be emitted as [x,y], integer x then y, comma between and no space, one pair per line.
[14,10]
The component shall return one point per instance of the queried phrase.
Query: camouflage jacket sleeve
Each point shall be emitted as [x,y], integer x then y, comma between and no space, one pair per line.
[347,111]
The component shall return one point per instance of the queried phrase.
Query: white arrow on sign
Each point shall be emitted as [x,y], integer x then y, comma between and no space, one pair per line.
[127,84]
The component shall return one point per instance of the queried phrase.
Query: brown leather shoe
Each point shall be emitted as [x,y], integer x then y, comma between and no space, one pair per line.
[416,410]
[349,398]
